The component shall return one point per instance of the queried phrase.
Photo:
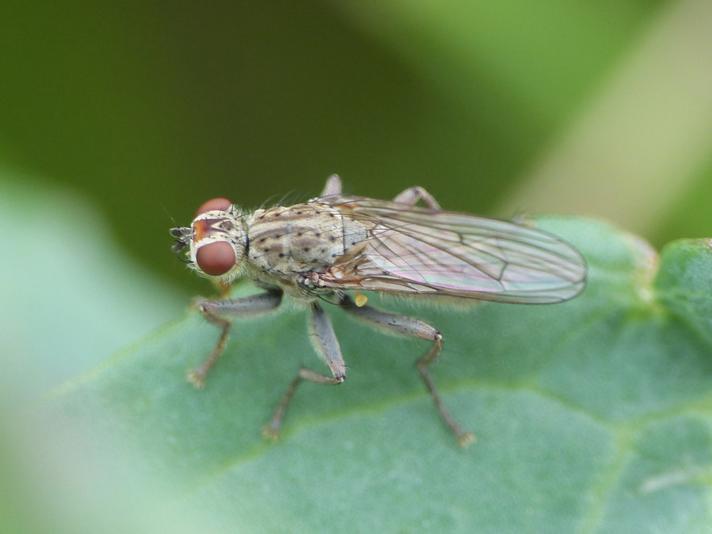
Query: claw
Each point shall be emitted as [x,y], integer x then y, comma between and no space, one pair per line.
[466,439]
[270,433]
[196,378]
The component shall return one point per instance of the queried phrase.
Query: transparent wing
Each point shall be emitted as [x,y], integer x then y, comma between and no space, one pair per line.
[417,250]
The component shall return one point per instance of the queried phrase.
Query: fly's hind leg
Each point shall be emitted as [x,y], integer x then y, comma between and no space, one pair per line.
[324,339]
[410,326]
[412,195]
[220,313]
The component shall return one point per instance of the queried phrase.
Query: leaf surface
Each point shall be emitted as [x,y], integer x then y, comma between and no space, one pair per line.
[591,416]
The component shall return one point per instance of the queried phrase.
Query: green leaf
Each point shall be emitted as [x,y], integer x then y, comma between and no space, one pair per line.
[593,416]
[74,297]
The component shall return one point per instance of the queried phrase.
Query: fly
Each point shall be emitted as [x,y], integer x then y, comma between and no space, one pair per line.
[334,247]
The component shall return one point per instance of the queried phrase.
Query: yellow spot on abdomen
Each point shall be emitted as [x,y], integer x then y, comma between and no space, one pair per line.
[360,299]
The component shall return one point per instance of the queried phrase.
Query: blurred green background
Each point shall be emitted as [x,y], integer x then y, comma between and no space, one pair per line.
[118,119]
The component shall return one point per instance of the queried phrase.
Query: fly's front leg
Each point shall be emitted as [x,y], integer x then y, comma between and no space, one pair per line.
[412,195]
[219,312]
[410,326]
[324,339]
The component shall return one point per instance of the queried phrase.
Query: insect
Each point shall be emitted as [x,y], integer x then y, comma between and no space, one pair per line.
[334,246]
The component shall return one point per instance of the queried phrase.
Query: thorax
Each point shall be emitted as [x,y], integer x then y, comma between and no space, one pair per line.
[286,241]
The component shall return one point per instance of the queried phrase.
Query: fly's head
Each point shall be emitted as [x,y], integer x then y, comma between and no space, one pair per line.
[215,243]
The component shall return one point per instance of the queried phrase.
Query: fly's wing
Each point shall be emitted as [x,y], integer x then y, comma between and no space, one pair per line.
[422,251]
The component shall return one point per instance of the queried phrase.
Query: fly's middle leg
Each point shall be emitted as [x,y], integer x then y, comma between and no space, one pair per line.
[410,326]
[220,313]
[412,195]
[326,344]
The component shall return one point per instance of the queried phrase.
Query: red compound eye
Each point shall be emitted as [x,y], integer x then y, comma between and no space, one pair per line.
[219,203]
[215,258]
